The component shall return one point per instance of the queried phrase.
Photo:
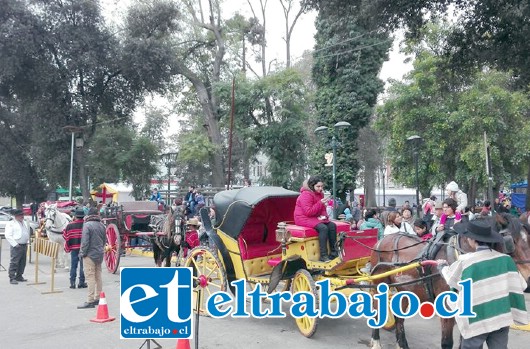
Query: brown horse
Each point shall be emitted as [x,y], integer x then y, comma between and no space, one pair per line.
[164,245]
[397,249]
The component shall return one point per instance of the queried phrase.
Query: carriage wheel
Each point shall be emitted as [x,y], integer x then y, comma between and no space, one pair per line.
[112,248]
[209,275]
[303,282]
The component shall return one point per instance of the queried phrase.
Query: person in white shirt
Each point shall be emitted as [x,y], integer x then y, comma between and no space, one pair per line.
[17,234]
[395,224]
[458,195]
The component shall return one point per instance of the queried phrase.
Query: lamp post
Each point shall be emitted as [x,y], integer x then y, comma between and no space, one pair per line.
[323,130]
[79,144]
[169,160]
[415,142]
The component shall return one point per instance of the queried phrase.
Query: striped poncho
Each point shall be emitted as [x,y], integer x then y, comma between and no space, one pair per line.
[497,291]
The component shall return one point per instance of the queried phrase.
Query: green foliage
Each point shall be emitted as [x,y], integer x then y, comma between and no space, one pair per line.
[139,165]
[284,126]
[118,154]
[451,113]
[193,158]
[347,59]
[492,32]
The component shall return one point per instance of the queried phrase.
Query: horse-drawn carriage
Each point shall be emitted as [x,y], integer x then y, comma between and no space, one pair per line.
[131,221]
[256,240]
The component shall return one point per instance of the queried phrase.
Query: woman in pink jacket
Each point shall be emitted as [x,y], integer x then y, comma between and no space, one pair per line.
[310,212]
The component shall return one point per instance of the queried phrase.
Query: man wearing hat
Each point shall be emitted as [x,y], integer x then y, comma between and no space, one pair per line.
[93,241]
[72,244]
[17,234]
[497,288]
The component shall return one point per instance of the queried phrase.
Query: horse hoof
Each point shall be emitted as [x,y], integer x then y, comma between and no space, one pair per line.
[376,344]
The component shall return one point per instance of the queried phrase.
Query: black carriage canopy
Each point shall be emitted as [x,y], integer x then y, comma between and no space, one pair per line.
[237,208]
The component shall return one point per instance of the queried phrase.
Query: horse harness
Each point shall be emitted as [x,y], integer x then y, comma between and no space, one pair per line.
[429,252]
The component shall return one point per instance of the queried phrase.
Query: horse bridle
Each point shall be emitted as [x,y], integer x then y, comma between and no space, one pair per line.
[53,221]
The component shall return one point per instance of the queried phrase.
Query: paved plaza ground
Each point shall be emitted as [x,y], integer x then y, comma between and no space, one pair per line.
[32,320]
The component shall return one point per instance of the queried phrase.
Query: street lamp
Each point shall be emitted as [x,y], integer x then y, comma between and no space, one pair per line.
[169,160]
[78,144]
[323,130]
[415,141]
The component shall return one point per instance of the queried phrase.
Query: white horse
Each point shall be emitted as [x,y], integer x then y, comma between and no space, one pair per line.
[56,221]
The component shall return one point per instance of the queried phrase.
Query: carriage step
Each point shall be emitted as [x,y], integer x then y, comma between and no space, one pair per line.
[274,261]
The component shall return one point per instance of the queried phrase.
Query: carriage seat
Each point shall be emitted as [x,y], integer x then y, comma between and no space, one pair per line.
[258,240]
[304,232]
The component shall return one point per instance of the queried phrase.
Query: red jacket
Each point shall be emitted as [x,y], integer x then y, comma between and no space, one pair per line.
[308,208]
[192,238]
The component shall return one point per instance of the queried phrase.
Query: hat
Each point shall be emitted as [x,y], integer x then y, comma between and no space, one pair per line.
[193,221]
[93,211]
[392,202]
[79,213]
[479,230]
[438,205]
[452,186]
[17,212]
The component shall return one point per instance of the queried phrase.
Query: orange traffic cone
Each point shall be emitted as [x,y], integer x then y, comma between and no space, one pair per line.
[183,344]
[103,311]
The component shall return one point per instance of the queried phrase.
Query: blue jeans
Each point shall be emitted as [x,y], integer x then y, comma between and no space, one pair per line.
[74,256]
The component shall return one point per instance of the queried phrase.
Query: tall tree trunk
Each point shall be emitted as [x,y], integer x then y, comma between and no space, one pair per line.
[369,184]
[527,204]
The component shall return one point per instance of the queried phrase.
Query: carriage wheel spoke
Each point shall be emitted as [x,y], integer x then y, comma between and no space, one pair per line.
[195,264]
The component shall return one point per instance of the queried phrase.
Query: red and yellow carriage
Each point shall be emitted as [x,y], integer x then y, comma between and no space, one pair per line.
[128,221]
[255,239]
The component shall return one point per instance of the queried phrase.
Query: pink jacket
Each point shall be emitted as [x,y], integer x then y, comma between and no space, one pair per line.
[458,217]
[308,208]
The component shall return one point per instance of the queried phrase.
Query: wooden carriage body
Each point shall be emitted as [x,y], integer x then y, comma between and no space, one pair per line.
[130,220]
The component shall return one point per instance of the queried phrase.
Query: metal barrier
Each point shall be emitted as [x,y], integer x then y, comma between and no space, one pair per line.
[50,249]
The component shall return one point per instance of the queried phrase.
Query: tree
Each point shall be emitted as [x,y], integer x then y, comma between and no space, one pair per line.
[119,154]
[264,131]
[370,159]
[485,32]
[451,114]
[188,42]
[347,59]
[70,75]
[288,6]
[489,32]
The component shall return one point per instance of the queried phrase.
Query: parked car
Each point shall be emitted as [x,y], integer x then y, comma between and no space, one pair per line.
[4,218]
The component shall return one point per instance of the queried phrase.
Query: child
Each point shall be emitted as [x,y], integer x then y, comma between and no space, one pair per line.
[497,297]
[191,238]
[422,230]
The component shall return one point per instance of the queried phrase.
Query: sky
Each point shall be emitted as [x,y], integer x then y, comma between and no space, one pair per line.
[302,37]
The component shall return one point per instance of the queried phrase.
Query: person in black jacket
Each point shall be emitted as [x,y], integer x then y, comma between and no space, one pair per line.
[92,248]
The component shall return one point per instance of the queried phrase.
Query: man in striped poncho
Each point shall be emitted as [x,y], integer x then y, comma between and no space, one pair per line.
[497,288]
[72,244]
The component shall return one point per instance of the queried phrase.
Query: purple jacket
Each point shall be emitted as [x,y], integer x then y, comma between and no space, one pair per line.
[308,208]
